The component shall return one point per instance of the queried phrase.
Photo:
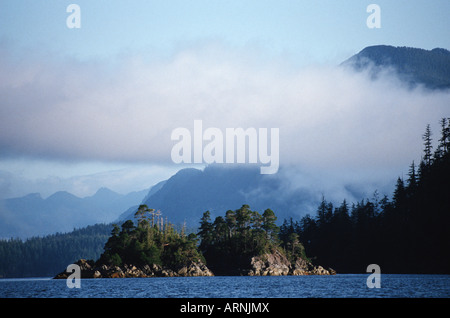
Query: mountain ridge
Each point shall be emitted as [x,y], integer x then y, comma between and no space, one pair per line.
[414,66]
[31,215]
[220,188]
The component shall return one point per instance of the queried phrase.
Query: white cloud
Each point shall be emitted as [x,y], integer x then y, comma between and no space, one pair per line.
[330,119]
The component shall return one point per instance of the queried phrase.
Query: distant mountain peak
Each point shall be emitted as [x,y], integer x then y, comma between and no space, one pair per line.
[105,191]
[61,195]
[414,66]
[31,215]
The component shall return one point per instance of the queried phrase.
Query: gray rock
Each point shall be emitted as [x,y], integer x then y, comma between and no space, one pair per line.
[276,264]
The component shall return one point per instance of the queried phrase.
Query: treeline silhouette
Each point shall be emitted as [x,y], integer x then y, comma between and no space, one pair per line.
[408,233]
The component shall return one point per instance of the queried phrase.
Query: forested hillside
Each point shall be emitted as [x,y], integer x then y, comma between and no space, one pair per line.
[408,233]
[44,256]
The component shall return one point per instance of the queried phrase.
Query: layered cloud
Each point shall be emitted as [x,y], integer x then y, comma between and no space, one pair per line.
[330,118]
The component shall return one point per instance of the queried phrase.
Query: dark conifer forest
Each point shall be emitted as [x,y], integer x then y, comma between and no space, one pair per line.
[45,256]
[408,233]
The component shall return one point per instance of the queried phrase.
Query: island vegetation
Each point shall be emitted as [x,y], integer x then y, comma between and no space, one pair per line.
[230,242]
[151,241]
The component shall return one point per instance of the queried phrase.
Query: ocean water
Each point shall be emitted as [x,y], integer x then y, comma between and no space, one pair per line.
[337,286]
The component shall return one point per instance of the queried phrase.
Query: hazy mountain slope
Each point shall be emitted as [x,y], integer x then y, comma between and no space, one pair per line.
[414,66]
[186,195]
[32,215]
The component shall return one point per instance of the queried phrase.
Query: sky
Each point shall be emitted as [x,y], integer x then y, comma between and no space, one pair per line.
[94,106]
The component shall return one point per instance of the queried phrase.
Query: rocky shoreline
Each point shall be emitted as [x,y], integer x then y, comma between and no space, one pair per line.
[89,270]
[275,264]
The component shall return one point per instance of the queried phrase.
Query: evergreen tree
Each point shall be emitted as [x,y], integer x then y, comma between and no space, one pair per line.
[141,214]
[412,179]
[220,230]
[243,218]
[444,142]
[230,219]
[206,230]
[428,157]
[399,193]
[324,212]
[268,223]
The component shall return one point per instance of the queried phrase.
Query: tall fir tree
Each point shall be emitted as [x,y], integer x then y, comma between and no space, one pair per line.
[428,146]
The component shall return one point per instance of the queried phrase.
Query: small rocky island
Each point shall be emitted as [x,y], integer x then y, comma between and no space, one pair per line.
[242,243]
[265,265]
[90,269]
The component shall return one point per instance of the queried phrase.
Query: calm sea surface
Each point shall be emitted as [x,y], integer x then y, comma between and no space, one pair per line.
[338,286]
